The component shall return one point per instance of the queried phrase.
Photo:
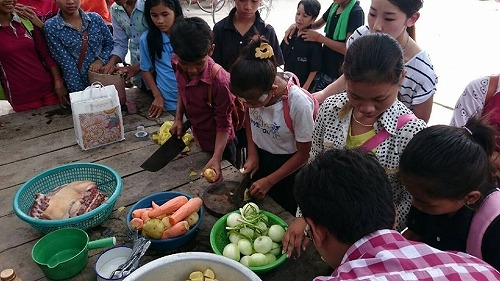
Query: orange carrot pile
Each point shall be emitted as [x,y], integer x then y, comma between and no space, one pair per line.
[176,230]
[193,205]
[168,207]
[174,214]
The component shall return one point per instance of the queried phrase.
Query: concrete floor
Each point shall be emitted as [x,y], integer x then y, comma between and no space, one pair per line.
[462,38]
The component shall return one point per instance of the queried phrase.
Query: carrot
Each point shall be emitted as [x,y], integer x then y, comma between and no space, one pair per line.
[169,207]
[154,205]
[193,205]
[177,229]
[137,213]
[145,215]
[136,223]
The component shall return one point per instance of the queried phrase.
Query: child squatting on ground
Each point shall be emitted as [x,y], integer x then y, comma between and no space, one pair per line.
[196,75]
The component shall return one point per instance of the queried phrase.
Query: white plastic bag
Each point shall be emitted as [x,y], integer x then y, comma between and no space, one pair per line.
[97,116]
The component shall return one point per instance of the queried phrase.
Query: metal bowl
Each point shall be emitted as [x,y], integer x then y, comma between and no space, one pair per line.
[110,260]
[177,267]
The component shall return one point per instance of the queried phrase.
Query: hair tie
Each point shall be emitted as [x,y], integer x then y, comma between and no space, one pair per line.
[467,129]
[264,51]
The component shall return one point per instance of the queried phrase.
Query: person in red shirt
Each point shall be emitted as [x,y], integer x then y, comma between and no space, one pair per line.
[25,57]
[36,11]
[346,200]
[212,126]
[97,6]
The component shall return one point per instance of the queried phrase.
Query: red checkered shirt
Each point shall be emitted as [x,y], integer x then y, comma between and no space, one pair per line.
[387,255]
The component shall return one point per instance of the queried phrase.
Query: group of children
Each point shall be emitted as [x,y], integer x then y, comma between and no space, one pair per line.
[439,175]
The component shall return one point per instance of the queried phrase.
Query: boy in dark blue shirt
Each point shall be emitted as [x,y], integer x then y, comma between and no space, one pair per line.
[301,57]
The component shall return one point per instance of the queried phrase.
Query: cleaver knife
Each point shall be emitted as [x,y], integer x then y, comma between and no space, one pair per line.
[167,151]
[239,197]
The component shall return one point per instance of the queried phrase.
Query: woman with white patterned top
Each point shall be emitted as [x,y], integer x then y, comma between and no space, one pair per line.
[374,70]
[397,18]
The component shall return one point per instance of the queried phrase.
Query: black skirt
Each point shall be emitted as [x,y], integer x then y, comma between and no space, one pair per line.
[281,192]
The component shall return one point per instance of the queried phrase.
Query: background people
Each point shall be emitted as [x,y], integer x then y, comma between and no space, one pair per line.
[156,54]
[24,56]
[397,18]
[79,42]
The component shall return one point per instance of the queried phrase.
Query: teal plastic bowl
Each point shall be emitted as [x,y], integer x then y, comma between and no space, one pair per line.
[107,180]
[219,239]
[170,243]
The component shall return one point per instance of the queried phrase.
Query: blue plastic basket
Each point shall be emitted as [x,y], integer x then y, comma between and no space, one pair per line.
[170,243]
[107,180]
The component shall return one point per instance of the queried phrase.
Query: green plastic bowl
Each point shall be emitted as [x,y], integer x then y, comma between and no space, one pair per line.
[219,239]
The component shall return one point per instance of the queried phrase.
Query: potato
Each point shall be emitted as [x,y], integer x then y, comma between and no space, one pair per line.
[166,222]
[154,228]
[207,275]
[196,275]
[210,175]
[193,219]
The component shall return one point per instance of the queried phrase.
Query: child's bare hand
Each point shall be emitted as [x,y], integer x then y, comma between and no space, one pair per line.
[95,66]
[156,108]
[28,12]
[320,96]
[289,32]
[310,35]
[176,129]
[294,241]
[130,71]
[260,188]
[61,91]
[109,68]
[251,166]
[213,164]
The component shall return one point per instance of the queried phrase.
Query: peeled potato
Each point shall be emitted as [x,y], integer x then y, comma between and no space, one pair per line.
[166,222]
[208,273]
[192,220]
[196,275]
[210,175]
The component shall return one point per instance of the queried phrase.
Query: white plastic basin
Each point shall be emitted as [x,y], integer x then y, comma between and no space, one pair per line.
[177,267]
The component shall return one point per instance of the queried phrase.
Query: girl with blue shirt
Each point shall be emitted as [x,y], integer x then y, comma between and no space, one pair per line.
[67,33]
[156,54]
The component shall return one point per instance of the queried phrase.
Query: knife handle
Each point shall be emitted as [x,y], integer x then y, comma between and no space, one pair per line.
[185,126]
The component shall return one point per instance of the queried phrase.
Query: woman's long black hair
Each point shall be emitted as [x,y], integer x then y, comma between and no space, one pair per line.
[154,37]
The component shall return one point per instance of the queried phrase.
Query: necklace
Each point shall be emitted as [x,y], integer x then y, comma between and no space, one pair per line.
[356,120]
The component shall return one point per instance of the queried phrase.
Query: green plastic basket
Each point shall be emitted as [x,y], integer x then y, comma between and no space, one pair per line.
[219,239]
[107,180]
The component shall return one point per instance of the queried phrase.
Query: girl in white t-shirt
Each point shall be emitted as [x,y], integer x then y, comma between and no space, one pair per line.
[275,151]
